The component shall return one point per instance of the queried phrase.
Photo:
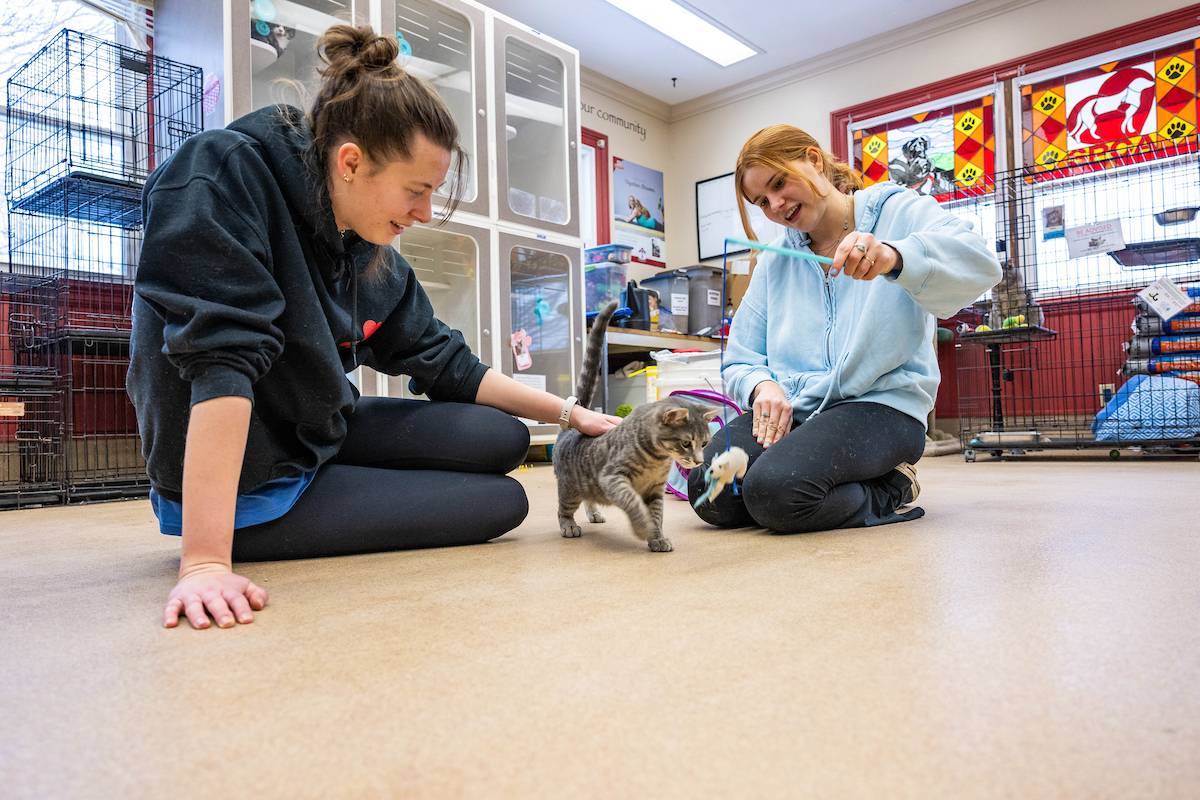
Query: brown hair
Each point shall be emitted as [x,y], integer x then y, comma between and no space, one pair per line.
[777,147]
[367,98]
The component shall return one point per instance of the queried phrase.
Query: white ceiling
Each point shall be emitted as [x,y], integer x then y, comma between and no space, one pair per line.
[617,46]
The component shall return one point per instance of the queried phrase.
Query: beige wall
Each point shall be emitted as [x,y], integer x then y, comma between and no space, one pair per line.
[706,145]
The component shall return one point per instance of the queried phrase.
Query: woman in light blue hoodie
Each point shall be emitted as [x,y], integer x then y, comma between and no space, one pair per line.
[837,362]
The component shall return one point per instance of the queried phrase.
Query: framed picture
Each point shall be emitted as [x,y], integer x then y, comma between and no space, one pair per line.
[638,212]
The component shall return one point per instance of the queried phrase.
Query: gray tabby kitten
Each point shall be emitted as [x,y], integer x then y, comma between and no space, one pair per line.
[628,466]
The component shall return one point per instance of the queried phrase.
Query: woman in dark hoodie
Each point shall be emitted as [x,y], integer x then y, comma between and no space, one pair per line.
[266,275]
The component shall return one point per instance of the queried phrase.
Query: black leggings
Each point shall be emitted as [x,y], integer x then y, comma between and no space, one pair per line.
[410,474]
[831,471]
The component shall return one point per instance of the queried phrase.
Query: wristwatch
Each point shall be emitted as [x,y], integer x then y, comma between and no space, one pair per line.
[564,418]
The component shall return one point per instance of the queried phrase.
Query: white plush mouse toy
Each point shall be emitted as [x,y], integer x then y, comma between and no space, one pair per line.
[724,469]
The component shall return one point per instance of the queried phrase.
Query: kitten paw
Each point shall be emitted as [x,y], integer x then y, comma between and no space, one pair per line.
[660,545]
[596,516]
[571,531]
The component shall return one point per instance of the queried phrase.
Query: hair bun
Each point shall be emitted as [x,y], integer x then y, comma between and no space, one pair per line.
[343,46]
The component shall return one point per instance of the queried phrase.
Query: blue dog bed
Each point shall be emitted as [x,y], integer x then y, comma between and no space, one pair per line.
[1150,408]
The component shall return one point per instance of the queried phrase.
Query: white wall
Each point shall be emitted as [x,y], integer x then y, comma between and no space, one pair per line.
[634,135]
[707,144]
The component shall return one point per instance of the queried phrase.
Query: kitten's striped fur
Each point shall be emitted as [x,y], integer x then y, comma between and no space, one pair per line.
[628,466]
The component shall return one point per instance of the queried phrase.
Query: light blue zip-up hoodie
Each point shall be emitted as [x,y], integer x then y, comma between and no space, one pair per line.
[830,340]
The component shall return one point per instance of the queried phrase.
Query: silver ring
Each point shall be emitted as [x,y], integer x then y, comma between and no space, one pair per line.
[860,247]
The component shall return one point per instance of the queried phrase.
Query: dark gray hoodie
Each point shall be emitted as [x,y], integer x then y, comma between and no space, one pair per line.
[245,288]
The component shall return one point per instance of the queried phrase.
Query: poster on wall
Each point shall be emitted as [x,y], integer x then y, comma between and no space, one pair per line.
[638,211]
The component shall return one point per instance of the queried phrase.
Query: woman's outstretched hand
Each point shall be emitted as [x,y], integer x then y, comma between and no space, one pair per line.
[591,423]
[863,257]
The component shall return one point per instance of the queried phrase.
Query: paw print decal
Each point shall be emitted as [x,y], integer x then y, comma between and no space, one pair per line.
[1048,102]
[1176,129]
[1174,69]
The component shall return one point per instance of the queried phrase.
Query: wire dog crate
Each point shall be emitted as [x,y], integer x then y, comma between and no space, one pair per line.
[31,445]
[86,271]
[1062,353]
[89,121]
[28,316]
[90,267]
[31,399]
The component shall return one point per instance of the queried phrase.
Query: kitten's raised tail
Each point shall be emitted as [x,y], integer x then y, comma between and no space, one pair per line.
[591,356]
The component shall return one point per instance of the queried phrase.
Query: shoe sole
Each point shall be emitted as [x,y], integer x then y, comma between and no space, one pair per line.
[910,472]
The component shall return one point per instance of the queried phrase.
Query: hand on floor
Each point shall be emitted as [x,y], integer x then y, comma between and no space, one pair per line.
[213,589]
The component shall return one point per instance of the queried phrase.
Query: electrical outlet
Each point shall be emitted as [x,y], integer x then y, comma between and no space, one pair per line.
[1107,390]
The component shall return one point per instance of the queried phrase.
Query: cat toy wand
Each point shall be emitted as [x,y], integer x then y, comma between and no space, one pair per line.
[730,466]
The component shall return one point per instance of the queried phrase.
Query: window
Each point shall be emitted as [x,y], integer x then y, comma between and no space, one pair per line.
[948,152]
[24,28]
[946,149]
[1157,204]
[1111,137]
[1091,115]
[1103,131]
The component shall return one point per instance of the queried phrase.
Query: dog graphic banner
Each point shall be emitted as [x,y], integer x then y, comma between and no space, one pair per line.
[1121,112]
[945,152]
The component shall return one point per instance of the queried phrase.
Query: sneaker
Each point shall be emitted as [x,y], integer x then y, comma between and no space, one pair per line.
[910,494]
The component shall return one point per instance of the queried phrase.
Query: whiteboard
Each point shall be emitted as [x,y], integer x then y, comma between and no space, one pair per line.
[717,217]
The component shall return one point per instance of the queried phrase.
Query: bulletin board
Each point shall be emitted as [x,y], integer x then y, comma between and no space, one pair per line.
[717,218]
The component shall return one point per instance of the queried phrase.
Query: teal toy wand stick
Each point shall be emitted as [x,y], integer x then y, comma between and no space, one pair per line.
[786,251]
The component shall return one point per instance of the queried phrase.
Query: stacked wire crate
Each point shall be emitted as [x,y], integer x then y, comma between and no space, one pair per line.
[89,120]
[1054,353]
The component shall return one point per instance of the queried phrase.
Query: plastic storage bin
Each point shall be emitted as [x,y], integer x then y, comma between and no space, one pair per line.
[640,387]
[616,253]
[602,283]
[705,305]
[672,288]
[687,371]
